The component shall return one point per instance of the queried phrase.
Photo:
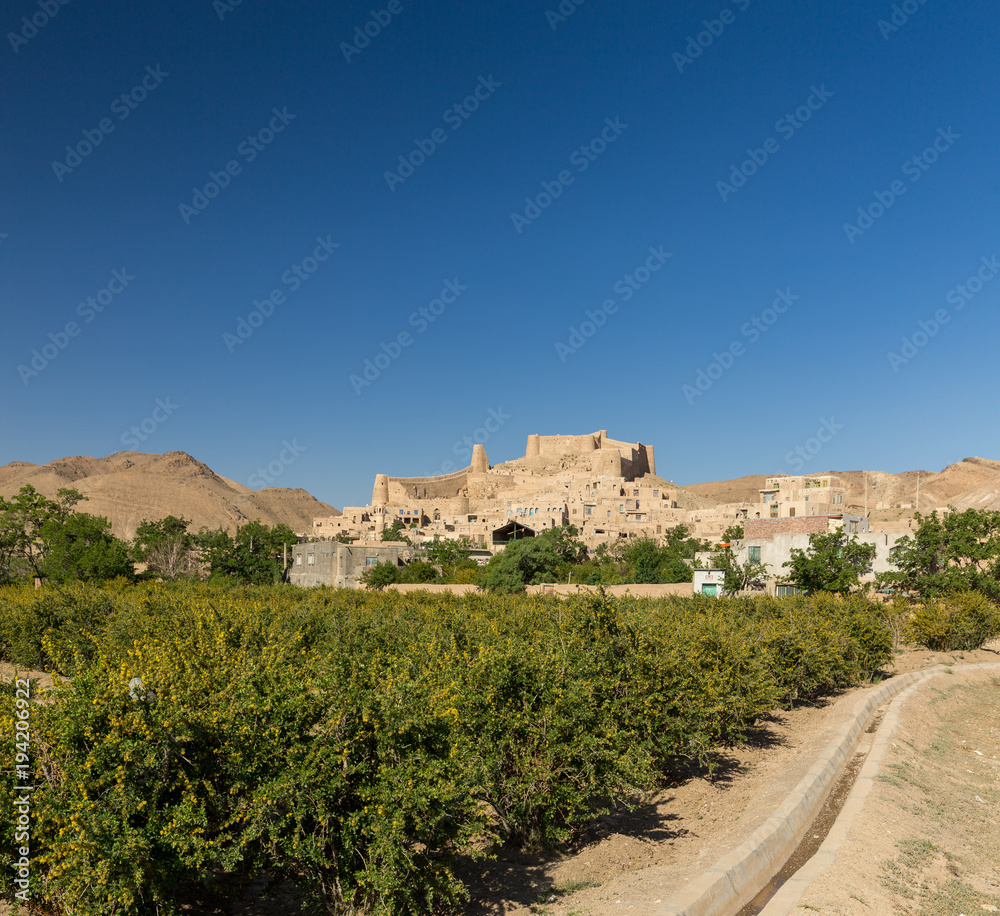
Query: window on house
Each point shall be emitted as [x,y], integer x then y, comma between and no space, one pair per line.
[628,502]
[371,561]
[791,511]
[310,560]
[852,527]
[588,510]
[298,560]
[656,493]
[753,554]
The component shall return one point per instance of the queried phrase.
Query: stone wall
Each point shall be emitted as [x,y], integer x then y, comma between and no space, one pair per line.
[754,528]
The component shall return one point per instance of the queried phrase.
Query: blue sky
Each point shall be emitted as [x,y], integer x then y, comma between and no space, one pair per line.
[777,217]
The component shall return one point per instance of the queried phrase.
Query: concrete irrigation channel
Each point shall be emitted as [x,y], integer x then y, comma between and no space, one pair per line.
[770,871]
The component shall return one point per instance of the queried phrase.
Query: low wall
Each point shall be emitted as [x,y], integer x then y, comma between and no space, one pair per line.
[408,587]
[636,591]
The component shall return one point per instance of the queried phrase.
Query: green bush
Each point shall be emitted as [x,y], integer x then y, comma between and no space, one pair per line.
[958,622]
[356,742]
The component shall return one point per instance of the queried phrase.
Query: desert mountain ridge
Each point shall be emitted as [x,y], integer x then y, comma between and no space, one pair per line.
[969,483]
[127,487]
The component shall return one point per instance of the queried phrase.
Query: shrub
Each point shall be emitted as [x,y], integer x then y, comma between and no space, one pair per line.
[959,622]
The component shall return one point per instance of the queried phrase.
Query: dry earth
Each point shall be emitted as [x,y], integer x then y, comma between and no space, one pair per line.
[927,841]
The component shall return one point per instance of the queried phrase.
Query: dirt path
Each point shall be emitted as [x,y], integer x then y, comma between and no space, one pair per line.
[633,862]
[927,840]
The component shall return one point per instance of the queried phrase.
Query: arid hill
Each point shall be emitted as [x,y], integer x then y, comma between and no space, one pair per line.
[128,487]
[970,483]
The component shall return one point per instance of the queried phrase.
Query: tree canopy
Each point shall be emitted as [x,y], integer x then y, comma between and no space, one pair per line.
[832,563]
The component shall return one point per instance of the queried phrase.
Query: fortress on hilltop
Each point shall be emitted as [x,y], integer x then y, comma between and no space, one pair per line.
[606,488]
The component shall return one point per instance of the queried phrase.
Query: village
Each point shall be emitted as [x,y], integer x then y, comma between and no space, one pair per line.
[605,488]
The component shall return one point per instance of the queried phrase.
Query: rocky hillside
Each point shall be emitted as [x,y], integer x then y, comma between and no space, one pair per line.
[128,487]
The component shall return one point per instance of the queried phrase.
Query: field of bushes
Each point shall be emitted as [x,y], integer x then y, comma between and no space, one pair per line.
[360,744]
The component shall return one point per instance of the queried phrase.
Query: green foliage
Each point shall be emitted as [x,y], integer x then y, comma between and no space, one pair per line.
[732,533]
[418,572]
[24,520]
[454,558]
[960,621]
[380,575]
[166,547]
[739,577]
[254,556]
[396,532]
[356,742]
[83,547]
[832,563]
[644,560]
[959,551]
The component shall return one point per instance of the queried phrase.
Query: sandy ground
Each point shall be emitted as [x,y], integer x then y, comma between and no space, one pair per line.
[928,838]
[634,861]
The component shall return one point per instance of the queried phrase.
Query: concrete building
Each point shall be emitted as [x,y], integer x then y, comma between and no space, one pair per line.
[341,565]
[710,582]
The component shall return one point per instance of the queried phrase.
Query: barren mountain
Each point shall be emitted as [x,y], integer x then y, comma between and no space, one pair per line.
[972,482]
[128,487]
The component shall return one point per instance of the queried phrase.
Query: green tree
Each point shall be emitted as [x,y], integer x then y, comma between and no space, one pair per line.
[453,556]
[959,551]
[732,533]
[166,547]
[254,556]
[82,547]
[748,576]
[396,532]
[380,575]
[418,572]
[832,563]
[22,520]
[530,561]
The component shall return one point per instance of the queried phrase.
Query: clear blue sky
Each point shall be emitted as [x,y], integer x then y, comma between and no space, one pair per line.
[363,175]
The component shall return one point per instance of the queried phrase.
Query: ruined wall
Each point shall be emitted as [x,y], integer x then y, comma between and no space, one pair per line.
[403,489]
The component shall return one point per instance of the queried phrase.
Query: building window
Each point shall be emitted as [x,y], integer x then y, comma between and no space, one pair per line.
[371,561]
[628,502]
[656,493]
[609,513]
[852,527]
[298,560]
[588,510]
[791,511]
[635,492]
[753,554]
[310,560]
